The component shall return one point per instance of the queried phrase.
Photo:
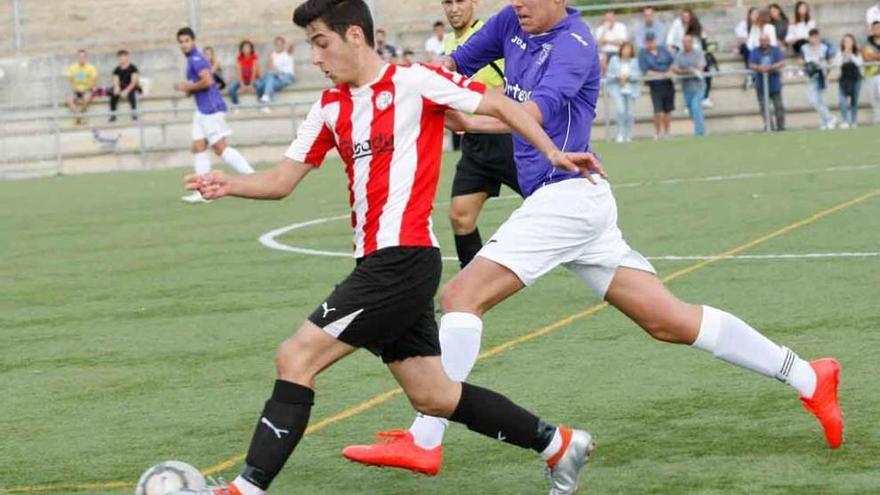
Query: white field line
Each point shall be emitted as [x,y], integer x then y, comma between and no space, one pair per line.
[269,239]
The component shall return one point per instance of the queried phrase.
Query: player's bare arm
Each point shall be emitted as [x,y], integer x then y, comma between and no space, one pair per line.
[275,183]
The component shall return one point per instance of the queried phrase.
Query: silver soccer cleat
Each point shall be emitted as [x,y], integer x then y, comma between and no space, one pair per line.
[564,475]
[214,486]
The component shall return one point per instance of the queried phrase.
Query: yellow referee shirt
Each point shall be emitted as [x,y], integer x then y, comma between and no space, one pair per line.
[488,75]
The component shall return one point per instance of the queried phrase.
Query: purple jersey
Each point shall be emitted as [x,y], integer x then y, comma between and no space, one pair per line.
[558,70]
[209,100]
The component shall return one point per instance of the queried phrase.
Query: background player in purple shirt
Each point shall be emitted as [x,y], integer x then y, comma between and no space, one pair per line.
[209,119]
[552,68]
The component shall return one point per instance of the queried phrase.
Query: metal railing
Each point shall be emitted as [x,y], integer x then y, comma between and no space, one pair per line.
[788,73]
[54,120]
[295,109]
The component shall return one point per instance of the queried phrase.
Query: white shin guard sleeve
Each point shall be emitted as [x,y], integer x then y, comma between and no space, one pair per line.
[732,340]
[460,335]
[202,162]
[236,161]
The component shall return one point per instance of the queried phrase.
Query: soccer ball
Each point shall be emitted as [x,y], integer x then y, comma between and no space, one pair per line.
[169,477]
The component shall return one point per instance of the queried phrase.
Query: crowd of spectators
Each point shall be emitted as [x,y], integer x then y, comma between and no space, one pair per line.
[649,52]
[659,55]
[766,35]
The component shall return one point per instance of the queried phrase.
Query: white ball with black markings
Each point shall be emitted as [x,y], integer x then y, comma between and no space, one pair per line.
[169,477]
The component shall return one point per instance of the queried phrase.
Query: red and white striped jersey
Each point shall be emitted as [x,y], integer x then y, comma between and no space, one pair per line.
[389,134]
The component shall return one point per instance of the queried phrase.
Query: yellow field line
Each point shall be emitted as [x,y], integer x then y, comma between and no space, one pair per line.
[386,396]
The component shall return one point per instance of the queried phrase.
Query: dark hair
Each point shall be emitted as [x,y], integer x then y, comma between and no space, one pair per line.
[244,44]
[694,28]
[439,24]
[632,49]
[121,53]
[81,50]
[779,8]
[749,17]
[855,43]
[797,12]
[408,52]
[338,15]
[186,32]
[813,32]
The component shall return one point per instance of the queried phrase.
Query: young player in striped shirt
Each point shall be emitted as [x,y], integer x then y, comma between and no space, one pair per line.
[387,124]
[552,69]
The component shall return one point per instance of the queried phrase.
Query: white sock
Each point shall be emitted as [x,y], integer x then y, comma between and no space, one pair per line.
[237,161]
[202,162]
[732,340]
[554,446]
[460,345]
[246,487]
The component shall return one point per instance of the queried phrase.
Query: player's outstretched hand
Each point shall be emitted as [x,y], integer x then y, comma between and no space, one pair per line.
[213,185]
[585,163]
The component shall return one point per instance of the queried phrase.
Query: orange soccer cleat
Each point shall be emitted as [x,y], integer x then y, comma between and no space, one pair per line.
[397,450]
[824,404]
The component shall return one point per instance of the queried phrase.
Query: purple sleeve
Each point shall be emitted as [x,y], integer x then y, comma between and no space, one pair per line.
[485,46]
[571,62]
[198,64]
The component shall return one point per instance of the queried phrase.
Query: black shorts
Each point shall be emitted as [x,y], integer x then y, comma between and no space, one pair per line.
[386,305]
[486,163]
[663,96]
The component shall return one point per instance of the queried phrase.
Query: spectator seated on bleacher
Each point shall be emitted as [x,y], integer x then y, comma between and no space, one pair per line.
[279,72]
[799,32]
[248,62]
[83,77]
[872,15]
[387,51]
[126,84]
[216,68]
[436,43]
[648,24]
[610,36]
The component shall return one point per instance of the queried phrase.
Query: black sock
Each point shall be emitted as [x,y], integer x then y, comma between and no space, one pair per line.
[543,437]
[495,416]
[467,246]
[279,429]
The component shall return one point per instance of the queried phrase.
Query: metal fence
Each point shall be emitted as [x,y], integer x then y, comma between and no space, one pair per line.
[40,143]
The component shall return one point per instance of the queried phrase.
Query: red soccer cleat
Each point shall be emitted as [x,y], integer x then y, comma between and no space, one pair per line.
[824,403]
[398,450]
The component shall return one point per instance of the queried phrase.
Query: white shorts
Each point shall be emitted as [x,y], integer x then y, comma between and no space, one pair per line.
[571,223]
[212,127]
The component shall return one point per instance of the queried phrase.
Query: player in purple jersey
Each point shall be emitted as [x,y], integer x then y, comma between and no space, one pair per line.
[552,68]
[209,119]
